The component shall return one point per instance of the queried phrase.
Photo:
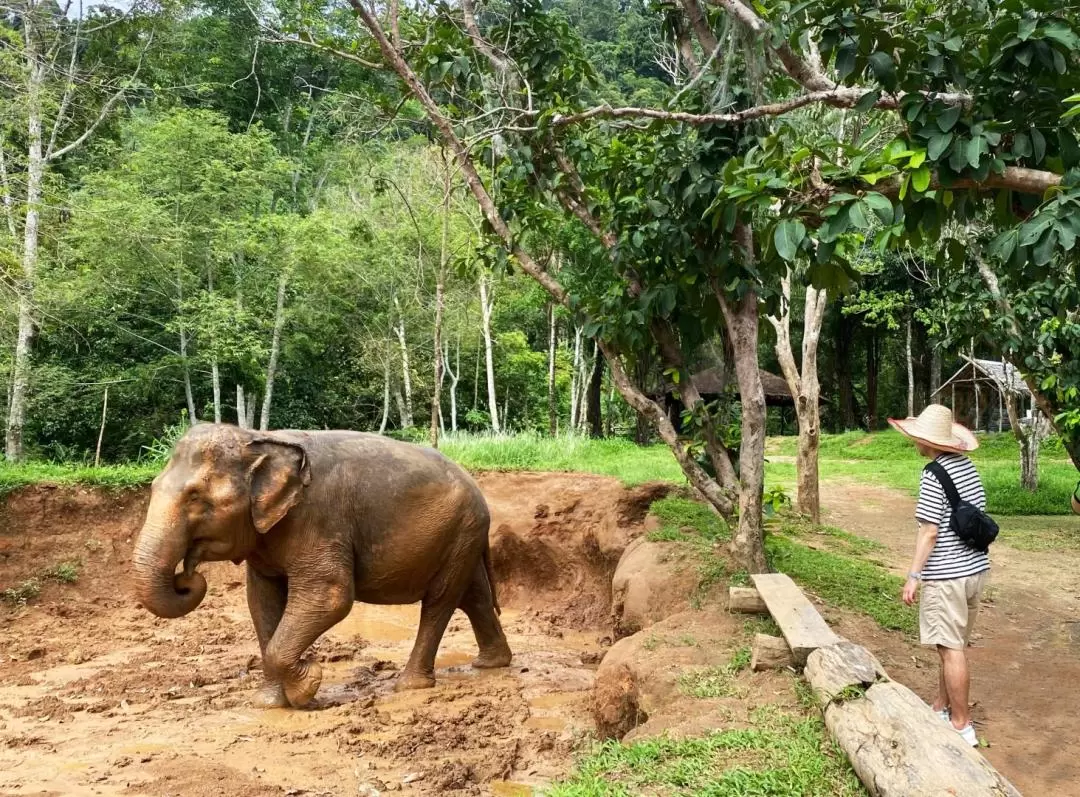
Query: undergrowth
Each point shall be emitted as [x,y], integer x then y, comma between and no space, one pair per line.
[717,681]
[22,594]
[782,755]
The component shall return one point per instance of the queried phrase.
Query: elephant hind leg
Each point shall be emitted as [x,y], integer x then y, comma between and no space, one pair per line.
[419,672]
[478,604]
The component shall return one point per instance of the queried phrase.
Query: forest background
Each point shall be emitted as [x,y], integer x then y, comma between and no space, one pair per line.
[229,226]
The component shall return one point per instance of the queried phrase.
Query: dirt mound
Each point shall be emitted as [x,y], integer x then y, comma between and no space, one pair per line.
[557,538]
[99,698]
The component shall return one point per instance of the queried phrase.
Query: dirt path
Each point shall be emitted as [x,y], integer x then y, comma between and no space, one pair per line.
[1026,655]
[97,697]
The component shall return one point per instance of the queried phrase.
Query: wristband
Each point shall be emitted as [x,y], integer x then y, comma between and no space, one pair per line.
[916,576]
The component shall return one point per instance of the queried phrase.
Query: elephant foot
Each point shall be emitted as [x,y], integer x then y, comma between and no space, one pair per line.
[301,691]
[499,656]
[271,696]
[413,680]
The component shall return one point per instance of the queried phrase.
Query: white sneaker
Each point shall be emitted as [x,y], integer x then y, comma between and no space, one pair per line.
[944,715]
[967,733]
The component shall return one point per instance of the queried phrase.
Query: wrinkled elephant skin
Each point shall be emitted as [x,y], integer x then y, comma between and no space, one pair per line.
[322,519]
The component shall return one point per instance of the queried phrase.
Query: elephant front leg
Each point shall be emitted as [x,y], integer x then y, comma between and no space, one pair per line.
[266,598]
[309,612]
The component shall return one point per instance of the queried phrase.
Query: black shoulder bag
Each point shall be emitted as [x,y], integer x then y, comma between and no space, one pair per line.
[975,528]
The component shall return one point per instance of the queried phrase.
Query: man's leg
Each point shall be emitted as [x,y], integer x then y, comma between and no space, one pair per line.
[941,703]
[954,671]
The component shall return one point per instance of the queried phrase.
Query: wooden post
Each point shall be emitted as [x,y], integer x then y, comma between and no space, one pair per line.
[101,431]
[953,407]
[746,600]
[975,385]
[770,653]
[1001,411]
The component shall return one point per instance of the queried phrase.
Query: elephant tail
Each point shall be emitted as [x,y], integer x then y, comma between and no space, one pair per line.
[491,579]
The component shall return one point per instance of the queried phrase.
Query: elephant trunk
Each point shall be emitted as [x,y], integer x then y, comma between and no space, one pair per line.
[158,586]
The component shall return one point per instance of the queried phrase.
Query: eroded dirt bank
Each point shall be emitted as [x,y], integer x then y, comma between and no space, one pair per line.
[97,697]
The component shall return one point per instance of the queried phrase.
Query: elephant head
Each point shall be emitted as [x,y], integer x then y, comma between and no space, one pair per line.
[222,487]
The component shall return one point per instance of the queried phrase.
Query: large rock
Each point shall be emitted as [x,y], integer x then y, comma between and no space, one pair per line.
[652,581]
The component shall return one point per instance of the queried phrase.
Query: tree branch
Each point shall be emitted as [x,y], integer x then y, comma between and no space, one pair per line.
[106,109]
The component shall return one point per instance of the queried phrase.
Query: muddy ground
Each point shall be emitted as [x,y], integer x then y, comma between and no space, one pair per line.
[97,697]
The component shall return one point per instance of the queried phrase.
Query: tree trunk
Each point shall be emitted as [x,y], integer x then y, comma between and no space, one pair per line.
[400,402]
[741,319]
[215,385]
[241,408]
[440,284]
[454,375]
[935,372]
[187,376]
[487,303]
[101,431]
[910,374]
[35,175]
[406,377]
[1030,439]
[871,382]
[386,394]
[252,403]
[805,387]
[275,350]
[844,381]
[575,378]
[553,416]
[593,405]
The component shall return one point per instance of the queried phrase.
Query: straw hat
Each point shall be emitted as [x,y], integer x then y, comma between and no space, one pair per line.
[935,427]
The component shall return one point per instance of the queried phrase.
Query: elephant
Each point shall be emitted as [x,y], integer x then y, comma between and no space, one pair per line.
[322,519]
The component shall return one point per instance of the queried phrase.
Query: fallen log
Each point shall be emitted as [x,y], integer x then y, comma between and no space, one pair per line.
[895,742]
[746,600]
[770,653]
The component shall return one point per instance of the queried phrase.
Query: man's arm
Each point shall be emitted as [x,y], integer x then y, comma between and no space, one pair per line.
[924,545]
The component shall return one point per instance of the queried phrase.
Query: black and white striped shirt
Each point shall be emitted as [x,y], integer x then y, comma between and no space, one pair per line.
[951,558]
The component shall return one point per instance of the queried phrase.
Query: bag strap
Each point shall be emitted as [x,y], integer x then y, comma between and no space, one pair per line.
[946,482]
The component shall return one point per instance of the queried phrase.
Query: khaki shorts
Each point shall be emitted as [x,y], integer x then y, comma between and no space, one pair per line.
[947,610]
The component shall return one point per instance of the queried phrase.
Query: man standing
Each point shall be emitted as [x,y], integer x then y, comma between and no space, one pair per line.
[953,574]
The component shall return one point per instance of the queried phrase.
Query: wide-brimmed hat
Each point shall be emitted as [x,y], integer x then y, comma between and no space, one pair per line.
[935,426]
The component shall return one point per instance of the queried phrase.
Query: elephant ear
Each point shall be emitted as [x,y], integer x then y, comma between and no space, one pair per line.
[276,480]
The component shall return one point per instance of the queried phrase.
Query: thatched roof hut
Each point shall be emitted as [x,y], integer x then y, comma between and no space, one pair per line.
[979,392]
[710,384]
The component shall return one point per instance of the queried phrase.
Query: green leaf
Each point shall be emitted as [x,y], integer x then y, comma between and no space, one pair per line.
[938,144]
[1027,27]
[1066,237]
[845,60]
[867,101]
[1003,245]
[1070,149]
[1044,252]
[1022,145]
[948,118]
[857,214]
[917,159]
[884,69]
[1024,55]
[788,235]
[920,179]
[1038,145]
[974,151]
[905,181]
[1060,64]
[881,206]
[958,155]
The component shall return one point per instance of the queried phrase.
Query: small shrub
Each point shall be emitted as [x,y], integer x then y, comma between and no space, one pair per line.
[65,572]
[22,594]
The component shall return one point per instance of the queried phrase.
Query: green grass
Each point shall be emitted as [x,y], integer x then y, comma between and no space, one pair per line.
[845,581]
[835,539]
[721,681]
[617,457]
[889,459]
[782,755]
[1041,533]
[118,477]
[684,518]
[22,594]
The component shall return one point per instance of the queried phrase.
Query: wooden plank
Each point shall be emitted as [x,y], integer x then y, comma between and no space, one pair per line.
[770,653]
[803,628]
[746,600]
